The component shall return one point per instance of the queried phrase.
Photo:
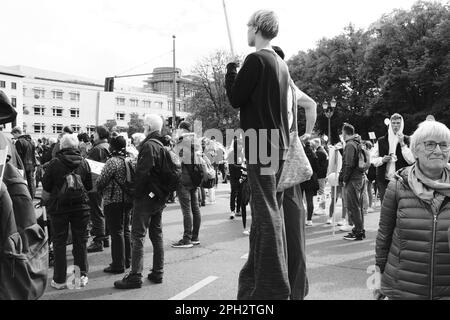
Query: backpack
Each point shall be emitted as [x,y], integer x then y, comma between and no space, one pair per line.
[23,243]
[198,171]
[363,158]
[170,171]
[72,191]
[128,186]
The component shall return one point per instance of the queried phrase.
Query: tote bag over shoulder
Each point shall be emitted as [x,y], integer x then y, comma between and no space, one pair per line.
[297,168]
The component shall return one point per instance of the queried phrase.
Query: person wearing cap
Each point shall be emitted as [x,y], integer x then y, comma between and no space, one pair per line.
[117,205]
[187,192]
[259,90]
[27,152]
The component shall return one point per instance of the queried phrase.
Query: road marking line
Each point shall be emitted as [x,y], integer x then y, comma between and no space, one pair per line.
[245,256]
[194,288]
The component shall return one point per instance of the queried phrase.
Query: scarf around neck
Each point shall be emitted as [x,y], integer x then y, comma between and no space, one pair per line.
[429,191]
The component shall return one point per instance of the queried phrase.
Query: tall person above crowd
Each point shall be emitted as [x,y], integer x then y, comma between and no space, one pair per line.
[260,91]
[100,153]
[391,153]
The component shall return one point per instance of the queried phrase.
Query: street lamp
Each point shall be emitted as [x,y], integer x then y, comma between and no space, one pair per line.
[328,110]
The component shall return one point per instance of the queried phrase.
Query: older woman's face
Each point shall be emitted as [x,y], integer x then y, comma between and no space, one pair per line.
[433,153]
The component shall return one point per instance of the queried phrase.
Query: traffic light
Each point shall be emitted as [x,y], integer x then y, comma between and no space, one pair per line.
[169,122]
[109,84]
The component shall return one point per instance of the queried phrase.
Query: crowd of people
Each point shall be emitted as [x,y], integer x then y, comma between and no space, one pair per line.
[409,175]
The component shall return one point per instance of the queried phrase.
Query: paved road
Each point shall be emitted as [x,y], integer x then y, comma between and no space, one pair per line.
[336,268]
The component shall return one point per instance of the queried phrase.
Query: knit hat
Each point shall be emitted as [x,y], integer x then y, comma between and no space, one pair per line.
[7,112]
[185,125]
[118,143]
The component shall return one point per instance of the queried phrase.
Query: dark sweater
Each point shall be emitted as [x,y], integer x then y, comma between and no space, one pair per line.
[260,91]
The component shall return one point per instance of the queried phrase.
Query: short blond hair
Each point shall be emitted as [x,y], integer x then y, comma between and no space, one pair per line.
[267,22]
[429,129]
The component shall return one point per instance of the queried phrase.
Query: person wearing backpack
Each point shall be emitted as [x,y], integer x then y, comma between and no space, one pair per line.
[156,176]
[187,148]
[67,180]
[117,201]
[352,178]
[100,153]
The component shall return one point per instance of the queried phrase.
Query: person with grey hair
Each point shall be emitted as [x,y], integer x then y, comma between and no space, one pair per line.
[412,246]
[149,204]
[260,91]
[63,212]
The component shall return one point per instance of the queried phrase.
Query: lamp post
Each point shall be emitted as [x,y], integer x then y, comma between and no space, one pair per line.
[328,110]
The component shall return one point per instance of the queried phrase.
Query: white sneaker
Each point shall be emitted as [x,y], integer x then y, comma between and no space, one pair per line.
[58,286]
[246,232]
[346,228]
[330,221]
[370,210]
[83,281]
[342,222]
[232,215]
[309,223]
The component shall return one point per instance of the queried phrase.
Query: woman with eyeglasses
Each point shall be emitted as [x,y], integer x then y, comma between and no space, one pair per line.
[412,246]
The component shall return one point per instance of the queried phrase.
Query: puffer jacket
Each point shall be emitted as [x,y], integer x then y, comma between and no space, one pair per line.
[412,246]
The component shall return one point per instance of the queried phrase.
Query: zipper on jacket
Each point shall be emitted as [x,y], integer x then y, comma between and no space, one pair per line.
[433,245]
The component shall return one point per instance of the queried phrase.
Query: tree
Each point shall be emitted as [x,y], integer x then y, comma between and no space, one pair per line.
[135,124]
[400,64]
[210,102]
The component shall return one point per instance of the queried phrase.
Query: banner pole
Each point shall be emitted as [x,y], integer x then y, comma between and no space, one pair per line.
[228,28]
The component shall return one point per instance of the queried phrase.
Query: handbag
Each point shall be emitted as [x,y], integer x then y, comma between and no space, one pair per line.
[297,168]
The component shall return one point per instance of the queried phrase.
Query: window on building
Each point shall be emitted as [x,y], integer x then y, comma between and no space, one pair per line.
[57,128]
[120,101]
[2,84]
[90,130]
[39,128]
[76,128]
[179,106]
[39,110]
[57,94]
[74,96]
[14,101]
[39,93]
[147,104]
[74,113]
[57,111]
[134,102]
[120,116]
[169,105]
[13,85]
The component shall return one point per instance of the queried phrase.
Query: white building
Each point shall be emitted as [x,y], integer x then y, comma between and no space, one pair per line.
[11,83]
[53,100]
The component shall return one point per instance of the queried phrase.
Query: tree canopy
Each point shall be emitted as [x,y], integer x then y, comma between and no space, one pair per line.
[400,64]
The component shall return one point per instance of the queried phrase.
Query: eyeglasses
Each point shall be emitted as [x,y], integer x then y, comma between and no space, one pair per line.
[431,146]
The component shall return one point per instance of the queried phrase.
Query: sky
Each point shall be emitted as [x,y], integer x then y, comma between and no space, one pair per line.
[100,38]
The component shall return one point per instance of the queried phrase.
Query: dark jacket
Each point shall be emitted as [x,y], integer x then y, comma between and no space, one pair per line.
[312,184]
[185,141]
[66,160]
[412,250]
[383,150]
[322,163]
[150,159]
[100,151]
[26,150]
[260,91]
[350,169]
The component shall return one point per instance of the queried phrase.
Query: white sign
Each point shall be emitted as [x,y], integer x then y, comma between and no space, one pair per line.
[372,135]
[3,156]
[96,167]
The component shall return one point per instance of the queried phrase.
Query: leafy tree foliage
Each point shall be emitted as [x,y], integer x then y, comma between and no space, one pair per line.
[400,64]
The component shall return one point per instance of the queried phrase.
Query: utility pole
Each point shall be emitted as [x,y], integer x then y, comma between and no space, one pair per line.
[174,96]
[228,28]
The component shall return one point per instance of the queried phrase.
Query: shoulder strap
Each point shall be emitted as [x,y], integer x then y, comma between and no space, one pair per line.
[294,105]
[157,141]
